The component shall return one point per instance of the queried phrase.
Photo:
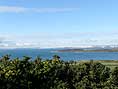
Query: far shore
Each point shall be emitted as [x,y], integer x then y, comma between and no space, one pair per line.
[87,50]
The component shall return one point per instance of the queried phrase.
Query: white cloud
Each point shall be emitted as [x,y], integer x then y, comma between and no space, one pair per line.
[12,9]
[57,40]
[17,9]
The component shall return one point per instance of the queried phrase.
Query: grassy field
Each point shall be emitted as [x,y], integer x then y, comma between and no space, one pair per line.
[109,63]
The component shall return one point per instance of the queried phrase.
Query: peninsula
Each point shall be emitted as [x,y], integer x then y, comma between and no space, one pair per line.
[90,49]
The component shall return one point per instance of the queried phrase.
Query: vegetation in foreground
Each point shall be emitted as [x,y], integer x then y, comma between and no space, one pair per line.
[55,74]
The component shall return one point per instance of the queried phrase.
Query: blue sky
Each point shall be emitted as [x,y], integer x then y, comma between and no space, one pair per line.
[58,23]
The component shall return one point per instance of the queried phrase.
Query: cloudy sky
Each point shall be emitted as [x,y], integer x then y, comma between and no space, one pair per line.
[58,23]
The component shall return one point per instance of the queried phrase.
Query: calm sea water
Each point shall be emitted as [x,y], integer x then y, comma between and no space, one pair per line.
[48,53]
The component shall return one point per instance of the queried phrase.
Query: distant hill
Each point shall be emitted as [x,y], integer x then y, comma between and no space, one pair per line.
[91,49]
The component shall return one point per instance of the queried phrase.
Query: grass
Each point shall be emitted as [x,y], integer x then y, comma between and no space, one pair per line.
[109,63]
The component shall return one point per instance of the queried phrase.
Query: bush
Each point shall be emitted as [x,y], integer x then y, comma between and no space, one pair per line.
[55,74]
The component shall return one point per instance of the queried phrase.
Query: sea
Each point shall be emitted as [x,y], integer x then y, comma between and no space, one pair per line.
[48,54]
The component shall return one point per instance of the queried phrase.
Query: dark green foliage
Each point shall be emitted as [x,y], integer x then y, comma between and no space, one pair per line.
[55,74]
[91,75]
[114,78]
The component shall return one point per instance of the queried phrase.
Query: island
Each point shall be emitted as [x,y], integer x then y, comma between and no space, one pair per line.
[92,49]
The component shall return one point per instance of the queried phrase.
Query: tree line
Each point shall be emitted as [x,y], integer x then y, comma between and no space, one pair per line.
[55,74]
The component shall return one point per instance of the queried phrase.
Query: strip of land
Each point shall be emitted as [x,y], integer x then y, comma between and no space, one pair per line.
[88,50]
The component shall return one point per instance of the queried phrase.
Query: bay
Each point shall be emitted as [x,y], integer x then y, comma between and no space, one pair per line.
[48,54]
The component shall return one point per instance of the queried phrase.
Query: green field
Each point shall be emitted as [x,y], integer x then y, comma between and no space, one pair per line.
[109,63]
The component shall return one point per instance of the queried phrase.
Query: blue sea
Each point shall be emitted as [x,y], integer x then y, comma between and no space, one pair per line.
[48,54]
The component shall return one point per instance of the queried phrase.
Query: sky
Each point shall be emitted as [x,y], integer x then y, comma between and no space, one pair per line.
[58,23]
